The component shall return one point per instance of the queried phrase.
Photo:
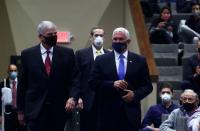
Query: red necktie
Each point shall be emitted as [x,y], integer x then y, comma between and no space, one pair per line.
[48,63]
[14,94]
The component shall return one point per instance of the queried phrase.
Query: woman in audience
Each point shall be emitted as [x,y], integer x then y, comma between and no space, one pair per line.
[163,29]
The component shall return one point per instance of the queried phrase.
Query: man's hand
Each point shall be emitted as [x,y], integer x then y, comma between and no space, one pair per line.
[129,96]
[20,116]
[120,84]
[79,105]
[70,105]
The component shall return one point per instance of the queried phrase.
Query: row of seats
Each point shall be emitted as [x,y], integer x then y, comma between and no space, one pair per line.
[167,58]
[168,54]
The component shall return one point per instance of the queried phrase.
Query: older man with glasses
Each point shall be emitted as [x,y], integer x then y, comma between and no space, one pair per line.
[187,117]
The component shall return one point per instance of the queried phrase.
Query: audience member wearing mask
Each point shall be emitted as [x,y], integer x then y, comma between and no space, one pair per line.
[186,117]
[191,72]
[153,117]
[163,29]
[86,97]
[192,24]
[12,122]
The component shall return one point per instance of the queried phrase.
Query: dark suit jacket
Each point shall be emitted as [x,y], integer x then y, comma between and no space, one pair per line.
[85,62]
[36,88]
[102,79]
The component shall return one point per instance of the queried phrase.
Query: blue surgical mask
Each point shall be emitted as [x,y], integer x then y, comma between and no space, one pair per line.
[119,47]
[13,75]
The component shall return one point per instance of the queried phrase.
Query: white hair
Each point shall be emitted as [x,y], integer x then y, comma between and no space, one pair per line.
[190,91]
[45,25]
[123,30]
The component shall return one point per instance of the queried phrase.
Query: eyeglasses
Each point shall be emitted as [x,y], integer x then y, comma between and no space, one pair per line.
[96,35]
[190,100]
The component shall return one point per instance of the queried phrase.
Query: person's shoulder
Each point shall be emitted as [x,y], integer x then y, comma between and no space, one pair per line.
[63,50]
[84,50]
[136,56]
[30,49]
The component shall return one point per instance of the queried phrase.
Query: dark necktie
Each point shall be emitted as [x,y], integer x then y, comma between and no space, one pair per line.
[121,68]
[48,63]
[14,94]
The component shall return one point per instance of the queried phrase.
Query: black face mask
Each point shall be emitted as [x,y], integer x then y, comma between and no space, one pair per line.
[189,106]
[119,46]
[51,40]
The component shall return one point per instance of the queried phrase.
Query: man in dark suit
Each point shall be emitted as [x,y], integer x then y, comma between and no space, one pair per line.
[46,76]
[121,78]
[85,60]
[10,109]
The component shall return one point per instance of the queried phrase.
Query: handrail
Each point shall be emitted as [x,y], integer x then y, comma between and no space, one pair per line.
[143,37]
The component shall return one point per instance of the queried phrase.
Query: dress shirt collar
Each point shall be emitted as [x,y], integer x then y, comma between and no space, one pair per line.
[44,50]
[125,54]
[94,50]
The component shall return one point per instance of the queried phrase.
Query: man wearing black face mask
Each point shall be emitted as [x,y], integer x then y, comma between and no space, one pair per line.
[191,72]
[185,118]
[46,76]
[121,78]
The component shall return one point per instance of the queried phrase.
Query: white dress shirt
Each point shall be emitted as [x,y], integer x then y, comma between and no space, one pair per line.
[95,50]
[44,52]
[125,54]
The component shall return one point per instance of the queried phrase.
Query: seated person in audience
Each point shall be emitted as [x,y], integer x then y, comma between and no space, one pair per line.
[184,6]
[191,72]
[152,119]
[186,117]
[163,29]
[192,24]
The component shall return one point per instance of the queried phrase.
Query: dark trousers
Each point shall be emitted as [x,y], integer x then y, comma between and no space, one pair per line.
[88,120]
[11,121]
[123,124]
[48,120]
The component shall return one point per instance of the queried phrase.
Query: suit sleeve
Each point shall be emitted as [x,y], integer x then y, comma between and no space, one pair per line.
[75,90]
[22,85]
[97,82]
[145,86]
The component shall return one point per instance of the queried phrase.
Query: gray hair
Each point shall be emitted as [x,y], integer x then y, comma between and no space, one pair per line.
[123,30]
[45,25]
[189,91]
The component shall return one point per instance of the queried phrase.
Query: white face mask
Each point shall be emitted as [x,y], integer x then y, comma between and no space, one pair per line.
[98,41]
[166,97]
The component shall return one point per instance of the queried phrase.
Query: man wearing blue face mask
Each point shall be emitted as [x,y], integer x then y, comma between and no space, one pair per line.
[121,79]
[86,98]
[12,123]
[152,119]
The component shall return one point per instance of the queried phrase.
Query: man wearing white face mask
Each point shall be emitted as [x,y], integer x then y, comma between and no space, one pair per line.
[152,119]
[12,123]
[86,98]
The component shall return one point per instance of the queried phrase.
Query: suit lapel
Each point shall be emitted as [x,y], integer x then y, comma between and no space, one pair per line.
[129,63]
[39,60]
[91,55]
[113,65]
